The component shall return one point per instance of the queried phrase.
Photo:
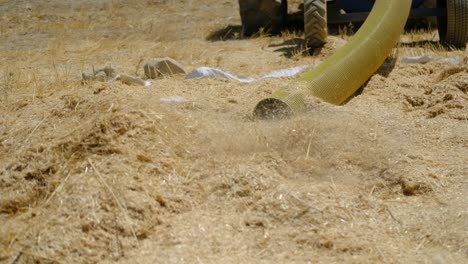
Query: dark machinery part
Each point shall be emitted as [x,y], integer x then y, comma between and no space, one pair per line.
[271,15]
[315,22]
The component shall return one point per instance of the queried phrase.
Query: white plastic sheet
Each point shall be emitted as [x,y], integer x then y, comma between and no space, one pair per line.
[177,99]
[426,58]
[207,72]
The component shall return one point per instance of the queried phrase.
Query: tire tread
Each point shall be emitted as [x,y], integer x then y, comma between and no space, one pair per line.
[457,23]
[315,22]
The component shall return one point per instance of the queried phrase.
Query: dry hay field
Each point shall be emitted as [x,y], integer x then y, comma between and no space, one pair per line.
[103,172]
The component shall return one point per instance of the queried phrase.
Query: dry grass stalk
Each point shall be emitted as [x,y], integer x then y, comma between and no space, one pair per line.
[119,203]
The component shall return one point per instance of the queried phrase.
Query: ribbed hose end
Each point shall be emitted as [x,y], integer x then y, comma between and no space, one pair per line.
[272,108]
[281,104]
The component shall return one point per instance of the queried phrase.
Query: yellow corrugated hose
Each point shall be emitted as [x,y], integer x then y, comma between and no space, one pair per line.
[343,73]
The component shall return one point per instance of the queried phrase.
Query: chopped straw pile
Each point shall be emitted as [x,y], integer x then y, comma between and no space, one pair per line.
[101,172]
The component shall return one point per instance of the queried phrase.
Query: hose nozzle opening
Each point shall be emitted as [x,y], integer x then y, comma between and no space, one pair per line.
[281,104]
[272,108]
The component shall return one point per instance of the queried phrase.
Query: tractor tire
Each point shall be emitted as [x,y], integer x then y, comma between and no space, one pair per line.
[315,23]
[453,29]
[267,14]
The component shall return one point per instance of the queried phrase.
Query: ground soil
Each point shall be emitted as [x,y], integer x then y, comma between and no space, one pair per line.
[104,172]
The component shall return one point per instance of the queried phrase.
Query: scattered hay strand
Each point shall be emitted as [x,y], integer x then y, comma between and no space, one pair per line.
[119,204]
[16,258]
[32,132]
[59,188]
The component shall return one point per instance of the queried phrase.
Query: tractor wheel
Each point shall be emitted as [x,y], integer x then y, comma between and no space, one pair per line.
[315,22]
[267,14]
[453,29]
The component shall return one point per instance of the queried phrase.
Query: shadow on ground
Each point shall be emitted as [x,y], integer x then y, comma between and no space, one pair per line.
[230,32]
[294,23]
[294,47]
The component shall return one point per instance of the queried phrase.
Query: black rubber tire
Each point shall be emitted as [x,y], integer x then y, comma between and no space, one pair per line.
[267,14]
[453,29]
[315,23]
